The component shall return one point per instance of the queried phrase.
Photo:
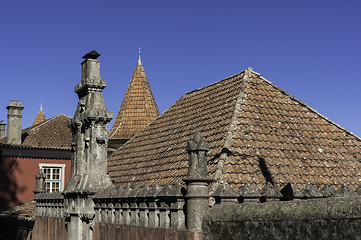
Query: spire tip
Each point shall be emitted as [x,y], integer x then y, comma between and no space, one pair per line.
[139,62]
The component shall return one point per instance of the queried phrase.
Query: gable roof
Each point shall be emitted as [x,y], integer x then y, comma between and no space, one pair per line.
[138,107]
[52,133]
[256,132]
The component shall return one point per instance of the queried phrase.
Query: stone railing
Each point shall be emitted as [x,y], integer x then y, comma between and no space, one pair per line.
[225,194]
[49,204]
[159,207]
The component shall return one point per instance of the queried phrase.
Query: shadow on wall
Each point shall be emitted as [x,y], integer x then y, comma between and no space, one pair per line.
[8,185]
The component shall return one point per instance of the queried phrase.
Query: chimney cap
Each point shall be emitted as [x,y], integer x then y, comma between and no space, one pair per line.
[92,55]
[15,104]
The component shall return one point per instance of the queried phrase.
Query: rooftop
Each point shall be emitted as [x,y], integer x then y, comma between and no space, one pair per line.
[51,133]
[138,107]
[256,132]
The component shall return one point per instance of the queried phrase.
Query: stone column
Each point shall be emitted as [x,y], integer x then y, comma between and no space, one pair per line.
[89,151]
[197,181]
[40,182]
[13,135]
[39,188]
[2,129]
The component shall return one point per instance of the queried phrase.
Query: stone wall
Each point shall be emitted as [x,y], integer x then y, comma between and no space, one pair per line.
[114,231]
[320,218]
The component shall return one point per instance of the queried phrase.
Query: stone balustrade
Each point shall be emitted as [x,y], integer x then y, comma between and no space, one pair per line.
[49,204]
[160,207]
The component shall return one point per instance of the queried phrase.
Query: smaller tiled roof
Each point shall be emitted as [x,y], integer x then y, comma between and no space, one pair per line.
[137,109]
[23,210]
[40,117]
[52,133]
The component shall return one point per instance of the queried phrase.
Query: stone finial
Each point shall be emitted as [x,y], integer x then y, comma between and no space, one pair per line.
[2,129]
[197,149]
[13,135]
[143,192]
[328,191]
[165,191]
[178,190]
[197,181]
[225,194]
[311,191]
[269,192]
[153,191]
[358,190]
[40,182]
[139,62]
[248,193]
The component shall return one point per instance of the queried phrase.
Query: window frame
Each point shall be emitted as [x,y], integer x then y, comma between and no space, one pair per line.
[55,165]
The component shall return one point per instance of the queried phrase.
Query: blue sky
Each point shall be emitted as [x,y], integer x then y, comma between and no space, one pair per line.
[312,49]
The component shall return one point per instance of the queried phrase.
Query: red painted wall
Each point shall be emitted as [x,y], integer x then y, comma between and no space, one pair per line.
[17,178]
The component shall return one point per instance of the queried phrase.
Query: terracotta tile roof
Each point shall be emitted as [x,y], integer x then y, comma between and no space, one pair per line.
[23,210]
[256,132]
[40,117]
[137,109]
[52,133]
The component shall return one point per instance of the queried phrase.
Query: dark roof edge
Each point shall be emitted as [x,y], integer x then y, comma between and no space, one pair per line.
[305,105]
[32,147]
[230,132]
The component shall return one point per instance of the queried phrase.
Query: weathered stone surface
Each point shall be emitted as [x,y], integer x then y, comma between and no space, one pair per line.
[197,182]
[311,191]
[197,149]
[321,218]
[89,154]
[269,192]
[328,191]
[153,191]
[40,182]
[13,135]
[225,194]
[2,129]
[345,191]
[248,193]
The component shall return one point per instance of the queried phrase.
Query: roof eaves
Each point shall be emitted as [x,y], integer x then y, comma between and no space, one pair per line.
[33,147]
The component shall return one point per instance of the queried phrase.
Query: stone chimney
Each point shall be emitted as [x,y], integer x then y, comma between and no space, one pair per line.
[2,129]
[89,151]
[13,135]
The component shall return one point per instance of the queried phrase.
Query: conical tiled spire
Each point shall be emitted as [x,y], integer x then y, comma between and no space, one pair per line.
[138,107]
[40,117]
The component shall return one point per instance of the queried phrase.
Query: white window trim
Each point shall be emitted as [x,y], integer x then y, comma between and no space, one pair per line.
[58,165]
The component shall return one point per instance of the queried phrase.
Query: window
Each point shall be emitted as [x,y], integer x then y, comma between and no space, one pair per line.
[54,176]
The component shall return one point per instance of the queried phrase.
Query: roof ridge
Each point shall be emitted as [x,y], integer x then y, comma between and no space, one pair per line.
[230,132]
[44,122]
[305,105]
[198,89]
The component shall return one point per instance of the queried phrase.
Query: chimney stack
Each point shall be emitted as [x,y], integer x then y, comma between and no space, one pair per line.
[2,129]
[13,135]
